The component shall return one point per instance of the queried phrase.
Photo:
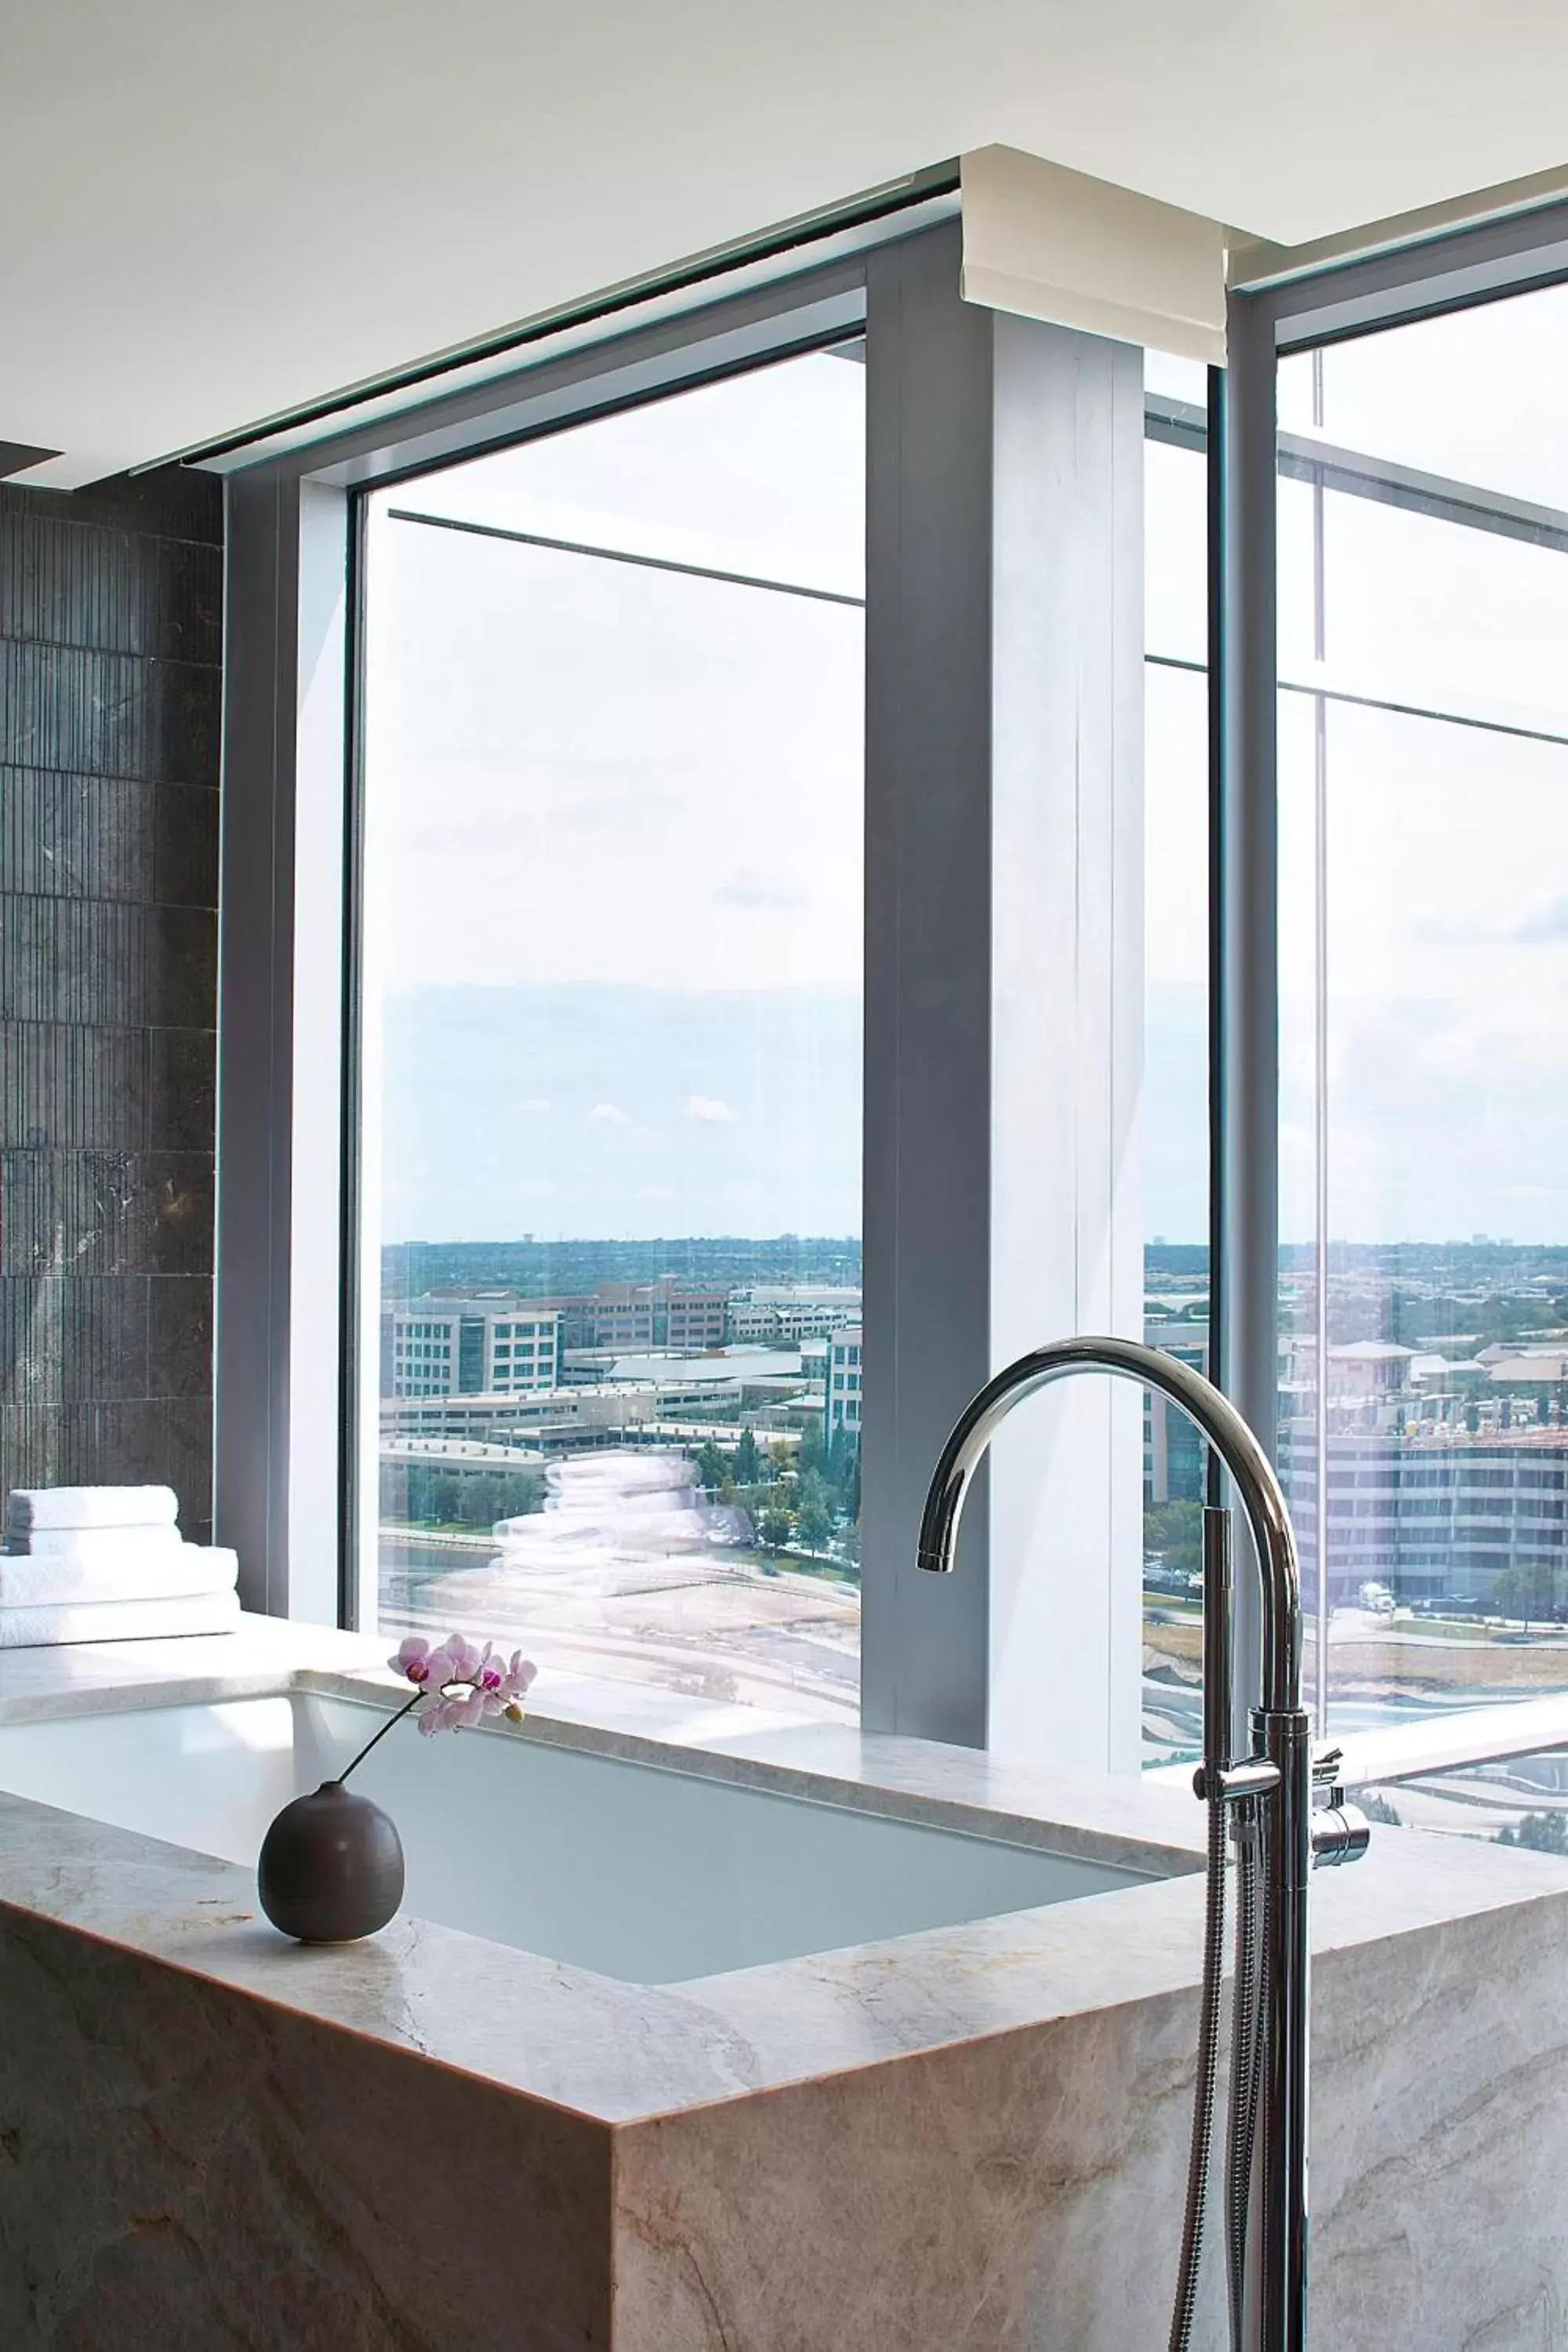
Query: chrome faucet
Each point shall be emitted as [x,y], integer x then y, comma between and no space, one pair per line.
[1269,1793]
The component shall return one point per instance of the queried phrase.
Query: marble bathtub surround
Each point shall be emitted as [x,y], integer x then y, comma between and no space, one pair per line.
[1064,1811]
[970,2138]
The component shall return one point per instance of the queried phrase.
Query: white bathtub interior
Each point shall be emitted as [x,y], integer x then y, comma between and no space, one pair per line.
[638,1871]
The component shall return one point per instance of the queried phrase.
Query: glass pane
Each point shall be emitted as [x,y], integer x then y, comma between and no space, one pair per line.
[1175,553]
[1301,719]
[612,1015]
[1175,1088]
[1423,1202]
[1177,379]
[1422,610]
[762,474]
[1520,1801]
[1476,396]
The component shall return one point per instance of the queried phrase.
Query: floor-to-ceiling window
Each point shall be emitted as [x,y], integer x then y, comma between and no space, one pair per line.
[610,1034]
[610,1021]
[1424,952]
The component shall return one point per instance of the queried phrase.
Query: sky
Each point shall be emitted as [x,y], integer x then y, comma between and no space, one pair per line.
[565,1110]
[614,827]
[1446,956]
[614,854]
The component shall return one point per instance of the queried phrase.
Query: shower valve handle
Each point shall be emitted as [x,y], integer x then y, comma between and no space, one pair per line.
[1340,1833]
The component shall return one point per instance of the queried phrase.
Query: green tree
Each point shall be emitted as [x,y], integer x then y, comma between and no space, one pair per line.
[443,1495]
[810,1455]
[774,1527]
[712,1470]
[1527,1590]
[523,1492]
[814,1518]
[483,1501]
[1544,1833]
[1176,1531]
[748,1460]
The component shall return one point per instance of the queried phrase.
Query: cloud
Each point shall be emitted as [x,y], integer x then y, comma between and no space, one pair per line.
[748,888]
[608,1115]
[536,1105]
[712,1112]
[1549,923]
[462,1062]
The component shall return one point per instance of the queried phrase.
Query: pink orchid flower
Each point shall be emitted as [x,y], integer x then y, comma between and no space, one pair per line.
[445,1715]
[462,1686]
[503,1682]
[465,1659]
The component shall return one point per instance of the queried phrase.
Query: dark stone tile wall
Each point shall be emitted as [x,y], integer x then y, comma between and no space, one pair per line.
[110,645]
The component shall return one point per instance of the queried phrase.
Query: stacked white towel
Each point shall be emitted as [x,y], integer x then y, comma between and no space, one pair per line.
[108,1564]
[76,1507]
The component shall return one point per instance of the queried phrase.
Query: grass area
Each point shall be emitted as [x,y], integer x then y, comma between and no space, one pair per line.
[1183,1642]
[797,1563]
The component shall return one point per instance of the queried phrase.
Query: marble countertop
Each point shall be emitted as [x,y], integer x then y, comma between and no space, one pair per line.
[621,2053]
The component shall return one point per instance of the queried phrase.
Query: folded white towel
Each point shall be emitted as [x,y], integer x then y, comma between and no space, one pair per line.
[91,1543]
[91,1507]
[180,1572]
[118,1621]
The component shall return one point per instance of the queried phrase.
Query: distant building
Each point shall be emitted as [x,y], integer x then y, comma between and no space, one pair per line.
[1526,1367]
[1173,1450]
[696,1320]
[469,1344]
[1358,1369]
[843,1393]
[1369,1368]
[780,1312]
[1433,1509]
[625,1315]
[546,1419]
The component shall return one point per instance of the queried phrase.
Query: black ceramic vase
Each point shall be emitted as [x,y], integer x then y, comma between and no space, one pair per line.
[330,1867]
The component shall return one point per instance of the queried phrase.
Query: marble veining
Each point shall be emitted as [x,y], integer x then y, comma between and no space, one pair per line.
[971,2137]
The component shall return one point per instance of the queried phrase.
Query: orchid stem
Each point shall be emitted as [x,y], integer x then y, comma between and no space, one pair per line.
[385,1727]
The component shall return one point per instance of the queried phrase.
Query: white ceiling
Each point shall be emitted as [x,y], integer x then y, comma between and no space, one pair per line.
[215,212]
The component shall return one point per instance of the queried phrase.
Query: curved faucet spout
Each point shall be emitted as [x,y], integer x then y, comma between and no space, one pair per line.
[1274,1784]
[1238,1448]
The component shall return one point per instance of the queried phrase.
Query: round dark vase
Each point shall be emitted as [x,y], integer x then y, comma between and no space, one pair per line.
[330,1867]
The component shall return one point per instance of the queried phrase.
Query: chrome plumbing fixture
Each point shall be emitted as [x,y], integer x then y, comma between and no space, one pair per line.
[1266,1799]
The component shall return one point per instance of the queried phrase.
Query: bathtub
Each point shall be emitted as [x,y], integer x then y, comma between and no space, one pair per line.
[649,1868]
[700,2028]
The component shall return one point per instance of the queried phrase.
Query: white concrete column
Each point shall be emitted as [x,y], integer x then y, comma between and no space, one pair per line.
[1067,1015]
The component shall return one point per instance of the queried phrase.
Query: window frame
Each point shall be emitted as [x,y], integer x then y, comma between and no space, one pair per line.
[286,1414]
[1271,316]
